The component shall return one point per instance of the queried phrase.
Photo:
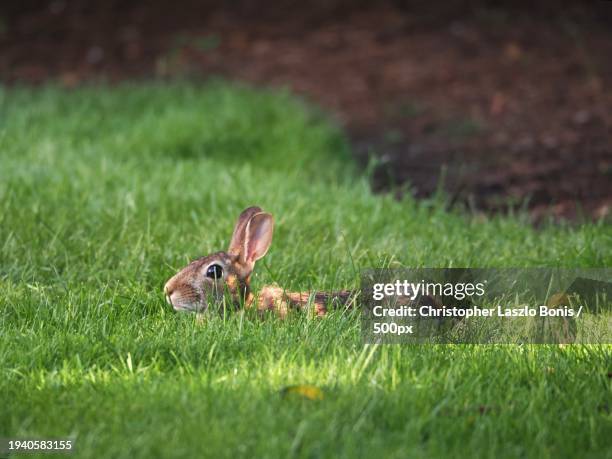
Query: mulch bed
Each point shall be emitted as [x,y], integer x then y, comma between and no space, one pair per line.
[505,106]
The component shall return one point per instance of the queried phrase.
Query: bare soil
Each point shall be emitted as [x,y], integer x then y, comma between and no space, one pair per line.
[503,103]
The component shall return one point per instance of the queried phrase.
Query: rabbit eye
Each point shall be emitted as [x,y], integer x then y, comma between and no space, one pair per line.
[214,271]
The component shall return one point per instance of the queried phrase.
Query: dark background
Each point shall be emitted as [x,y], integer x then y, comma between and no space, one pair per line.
[509,102]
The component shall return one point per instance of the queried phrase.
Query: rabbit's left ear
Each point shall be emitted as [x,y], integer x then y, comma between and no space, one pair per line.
[257,238]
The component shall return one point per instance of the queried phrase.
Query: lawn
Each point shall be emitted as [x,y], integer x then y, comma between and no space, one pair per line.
[106,192]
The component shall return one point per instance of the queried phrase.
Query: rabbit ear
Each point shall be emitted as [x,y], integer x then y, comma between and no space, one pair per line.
[237,242]
[258,237]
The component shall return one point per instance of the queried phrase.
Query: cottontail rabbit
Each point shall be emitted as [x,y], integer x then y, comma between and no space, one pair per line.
[203,282]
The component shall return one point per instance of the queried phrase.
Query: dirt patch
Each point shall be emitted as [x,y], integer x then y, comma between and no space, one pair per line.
[509,105]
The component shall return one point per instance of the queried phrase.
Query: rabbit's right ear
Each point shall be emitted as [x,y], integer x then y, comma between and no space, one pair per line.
[237,243]
[257,238]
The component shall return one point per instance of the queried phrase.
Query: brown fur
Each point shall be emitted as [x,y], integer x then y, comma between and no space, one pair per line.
[191,290]
[274,298]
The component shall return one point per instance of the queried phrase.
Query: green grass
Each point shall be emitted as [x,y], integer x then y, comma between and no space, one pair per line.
[106,192]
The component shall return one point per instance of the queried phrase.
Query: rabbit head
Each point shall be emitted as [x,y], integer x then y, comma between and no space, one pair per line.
[206,280]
